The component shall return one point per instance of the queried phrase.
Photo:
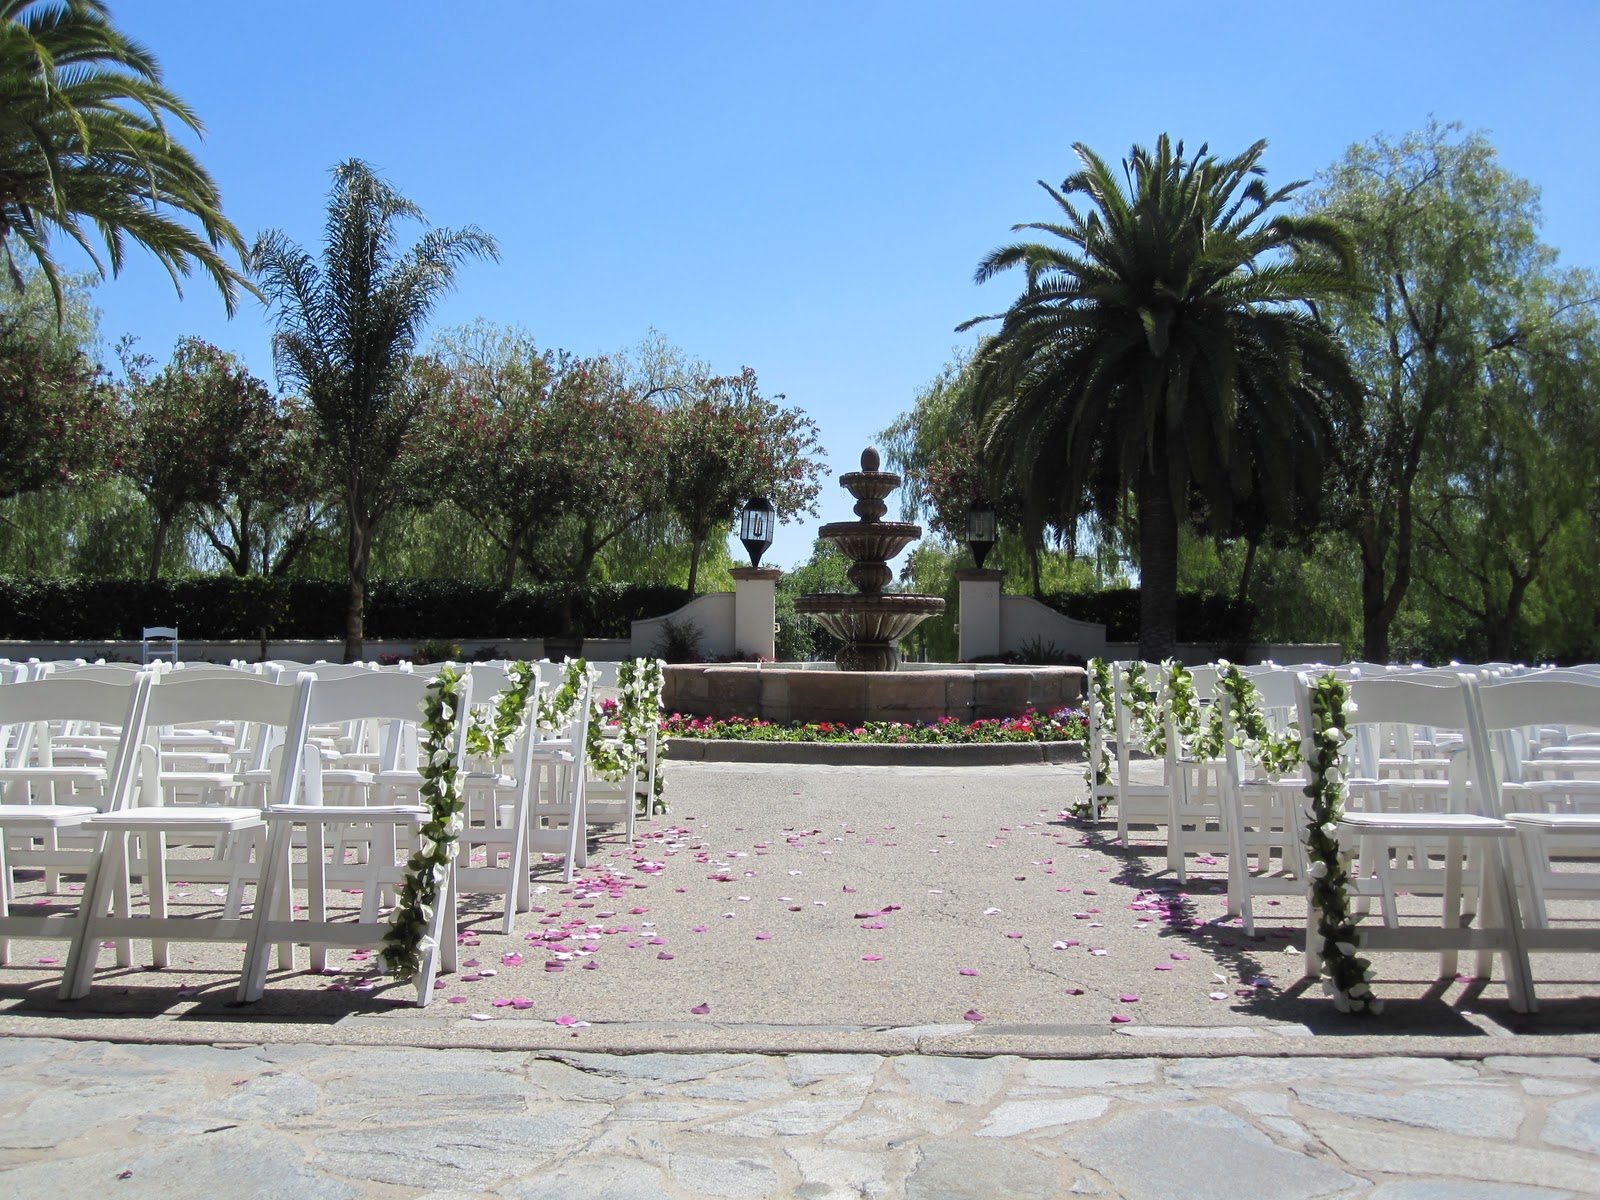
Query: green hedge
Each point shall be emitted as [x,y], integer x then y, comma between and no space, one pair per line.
[229,607]
[1201,617]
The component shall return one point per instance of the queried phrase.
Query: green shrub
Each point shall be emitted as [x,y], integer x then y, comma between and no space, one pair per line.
[227,607]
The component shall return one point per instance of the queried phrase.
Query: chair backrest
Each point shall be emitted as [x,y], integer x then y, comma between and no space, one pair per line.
[122,673]
[35,703]
[325,670]
[1395,700]
[368,695]
[277,711]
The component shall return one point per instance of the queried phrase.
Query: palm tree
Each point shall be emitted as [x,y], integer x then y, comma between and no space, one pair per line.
[345,336]
[85,149]
[1170,347]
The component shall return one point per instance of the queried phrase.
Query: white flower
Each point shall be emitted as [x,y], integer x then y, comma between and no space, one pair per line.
[1319,870]
[1329,829]
[1346,948]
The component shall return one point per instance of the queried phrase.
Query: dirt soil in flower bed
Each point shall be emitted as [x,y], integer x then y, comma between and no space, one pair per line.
[825,896]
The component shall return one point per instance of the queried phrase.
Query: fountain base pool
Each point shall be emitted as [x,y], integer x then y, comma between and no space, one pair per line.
[917,692]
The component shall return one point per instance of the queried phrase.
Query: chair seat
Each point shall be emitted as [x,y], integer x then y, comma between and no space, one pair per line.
[45,816]
[1571,822]
[1421,824]
[351,813]
[180,818]
[95,775]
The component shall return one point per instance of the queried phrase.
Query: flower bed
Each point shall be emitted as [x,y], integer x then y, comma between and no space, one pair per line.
[1062,725]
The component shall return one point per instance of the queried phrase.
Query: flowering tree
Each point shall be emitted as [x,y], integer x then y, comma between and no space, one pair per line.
[553,454]
[726,443]
[194,428]
[56,412]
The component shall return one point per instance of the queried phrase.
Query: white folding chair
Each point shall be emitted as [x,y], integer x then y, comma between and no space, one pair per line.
[1137,803]
[497,803]
[173,700]
[557,813]
[1264,816]
[158,642]
[35,808]
[1543,833]
[392,829]
[1464,835]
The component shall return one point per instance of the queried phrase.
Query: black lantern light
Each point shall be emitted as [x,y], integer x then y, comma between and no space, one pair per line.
[981,530]
[755,528]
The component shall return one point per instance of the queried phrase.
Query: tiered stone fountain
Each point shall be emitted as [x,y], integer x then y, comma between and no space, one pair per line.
[871,622]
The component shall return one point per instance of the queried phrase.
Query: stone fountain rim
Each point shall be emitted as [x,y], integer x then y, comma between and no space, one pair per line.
[893,528]
[837,602]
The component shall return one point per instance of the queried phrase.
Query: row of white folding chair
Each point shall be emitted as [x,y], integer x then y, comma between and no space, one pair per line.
[1471,838]
[174,700]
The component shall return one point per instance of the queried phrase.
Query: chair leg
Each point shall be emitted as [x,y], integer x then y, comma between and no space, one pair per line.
[317,886]
[271,896]
[156,856]
[5,898]
[1449,959]
[109,858]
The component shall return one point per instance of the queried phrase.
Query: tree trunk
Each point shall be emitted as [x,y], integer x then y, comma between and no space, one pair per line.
[355,615]
[1250,548]
[158,546]
[1375,614]
[1033,568]
[508,569]
[1501,636]
[694,562]
[1158,559]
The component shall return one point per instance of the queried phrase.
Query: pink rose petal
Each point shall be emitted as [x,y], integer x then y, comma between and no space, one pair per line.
[1120,1020]
[972,1014]
[872,958]
[701,1009]
[665,957]
[1129,999]
[763,937]
[968,971]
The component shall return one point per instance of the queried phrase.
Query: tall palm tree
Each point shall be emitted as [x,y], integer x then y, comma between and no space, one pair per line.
[345,336]
[85,150]
[1167,345]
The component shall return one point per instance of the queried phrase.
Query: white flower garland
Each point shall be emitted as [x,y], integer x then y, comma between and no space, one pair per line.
[1346,975]
[494,725]
[406,939]
[1276,755]
[1103,714]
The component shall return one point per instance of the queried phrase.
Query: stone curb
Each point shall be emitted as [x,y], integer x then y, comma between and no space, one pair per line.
[543,1037]
[872,754]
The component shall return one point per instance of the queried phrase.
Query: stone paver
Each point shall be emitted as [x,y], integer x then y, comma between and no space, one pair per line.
[343,1123]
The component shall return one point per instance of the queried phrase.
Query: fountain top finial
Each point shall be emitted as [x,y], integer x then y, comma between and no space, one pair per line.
[869,459]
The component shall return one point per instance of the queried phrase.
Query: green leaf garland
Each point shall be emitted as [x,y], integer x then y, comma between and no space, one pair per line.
[1346,975]
[406,939]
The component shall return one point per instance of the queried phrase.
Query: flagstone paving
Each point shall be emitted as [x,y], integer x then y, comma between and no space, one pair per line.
[332,1122]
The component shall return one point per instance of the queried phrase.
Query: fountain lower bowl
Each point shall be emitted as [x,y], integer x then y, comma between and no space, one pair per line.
[869,625]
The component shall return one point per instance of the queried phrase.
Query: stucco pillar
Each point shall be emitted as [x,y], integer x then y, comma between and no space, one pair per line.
[979,615]
[755,606]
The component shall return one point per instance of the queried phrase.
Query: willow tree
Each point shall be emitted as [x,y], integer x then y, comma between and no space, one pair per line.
[1165,345]
[346,332]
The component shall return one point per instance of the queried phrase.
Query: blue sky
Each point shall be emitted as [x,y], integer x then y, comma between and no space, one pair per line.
[806,188]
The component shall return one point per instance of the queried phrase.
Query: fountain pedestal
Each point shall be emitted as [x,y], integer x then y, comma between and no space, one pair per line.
[872,622]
